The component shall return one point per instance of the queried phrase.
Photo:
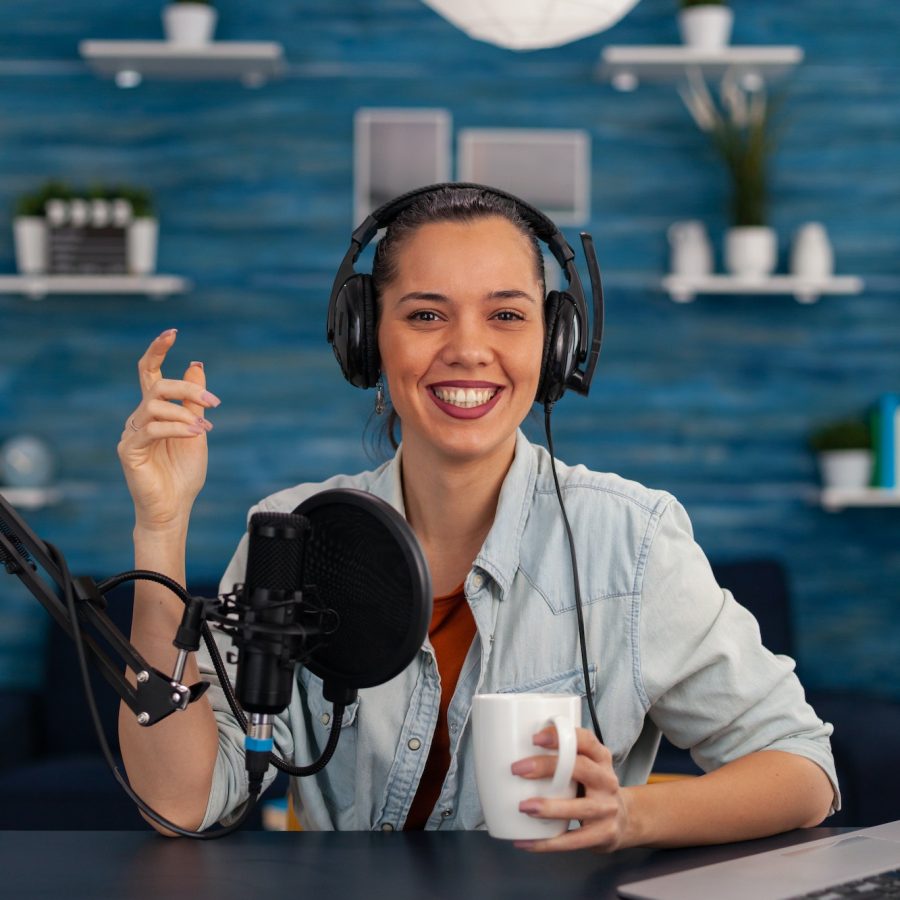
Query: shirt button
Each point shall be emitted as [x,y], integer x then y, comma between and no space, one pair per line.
[325,718]
[453,727]
[414,744]
[446,813]
[387,827]
[477,581]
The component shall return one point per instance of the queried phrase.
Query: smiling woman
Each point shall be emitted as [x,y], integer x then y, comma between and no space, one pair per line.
[454,319]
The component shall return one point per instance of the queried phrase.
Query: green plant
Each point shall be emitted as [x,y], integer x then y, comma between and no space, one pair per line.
[740,128]
[844,434]
[686,4]
[33,203]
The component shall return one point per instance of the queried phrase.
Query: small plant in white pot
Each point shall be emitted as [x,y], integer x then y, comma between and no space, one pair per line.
[705,24]
[739,126]
[844,450]
[30,227]
[190,23]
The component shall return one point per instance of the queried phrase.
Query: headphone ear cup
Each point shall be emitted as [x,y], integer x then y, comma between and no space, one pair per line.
[560,346]
[355,345]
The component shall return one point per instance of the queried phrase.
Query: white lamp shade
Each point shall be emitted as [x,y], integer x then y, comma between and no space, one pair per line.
[531,24]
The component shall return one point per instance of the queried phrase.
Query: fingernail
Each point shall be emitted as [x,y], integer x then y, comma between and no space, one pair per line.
[205,423]
[168,332]
[196,429]
[196,362]
[529,806]
[542,739]
[522,767]
[209,399]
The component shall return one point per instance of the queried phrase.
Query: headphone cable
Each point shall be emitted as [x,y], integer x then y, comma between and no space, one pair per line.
[548,408]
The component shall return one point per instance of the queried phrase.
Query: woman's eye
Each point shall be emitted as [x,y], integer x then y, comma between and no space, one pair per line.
[424,315]
[508,315]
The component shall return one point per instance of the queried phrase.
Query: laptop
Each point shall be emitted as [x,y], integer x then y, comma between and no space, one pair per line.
[864,863]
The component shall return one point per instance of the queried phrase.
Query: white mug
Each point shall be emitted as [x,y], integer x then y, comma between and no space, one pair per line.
[503,726]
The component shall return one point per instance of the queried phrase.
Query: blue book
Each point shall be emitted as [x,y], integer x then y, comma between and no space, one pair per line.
[885,438]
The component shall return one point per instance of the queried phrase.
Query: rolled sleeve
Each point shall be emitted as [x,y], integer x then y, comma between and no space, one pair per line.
[709,682]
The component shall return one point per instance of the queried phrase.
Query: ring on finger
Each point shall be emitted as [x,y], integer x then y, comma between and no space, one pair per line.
[133,424]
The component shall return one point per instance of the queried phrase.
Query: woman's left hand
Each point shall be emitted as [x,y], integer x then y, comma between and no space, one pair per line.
[601,805]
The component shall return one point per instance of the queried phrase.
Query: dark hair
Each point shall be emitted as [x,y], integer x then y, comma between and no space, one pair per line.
[447,204]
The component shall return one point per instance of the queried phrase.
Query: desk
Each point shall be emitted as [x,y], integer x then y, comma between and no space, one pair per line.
[456,865]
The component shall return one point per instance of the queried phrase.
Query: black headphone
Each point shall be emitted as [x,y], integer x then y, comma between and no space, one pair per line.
[352,306]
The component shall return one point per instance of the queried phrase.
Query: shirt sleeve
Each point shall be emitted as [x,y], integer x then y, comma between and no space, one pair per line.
[230,791]
[710,683]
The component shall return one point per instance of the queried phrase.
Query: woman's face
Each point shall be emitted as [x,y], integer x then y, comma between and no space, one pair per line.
[461,336]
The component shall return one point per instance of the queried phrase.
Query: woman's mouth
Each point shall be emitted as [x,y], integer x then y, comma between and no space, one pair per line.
[465,398]
[465,401]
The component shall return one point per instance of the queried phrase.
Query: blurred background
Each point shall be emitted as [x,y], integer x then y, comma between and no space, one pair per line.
[256,190]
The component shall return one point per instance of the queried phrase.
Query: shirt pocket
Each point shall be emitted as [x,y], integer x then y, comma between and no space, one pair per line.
[320,709]
[568,682]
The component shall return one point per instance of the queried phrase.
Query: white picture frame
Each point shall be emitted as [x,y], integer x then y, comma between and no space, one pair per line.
[397,150]
[549,168]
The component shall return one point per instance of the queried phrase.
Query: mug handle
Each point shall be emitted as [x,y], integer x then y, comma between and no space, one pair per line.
[565,761]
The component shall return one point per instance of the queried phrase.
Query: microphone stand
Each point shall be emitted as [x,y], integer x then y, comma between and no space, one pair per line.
[155,694]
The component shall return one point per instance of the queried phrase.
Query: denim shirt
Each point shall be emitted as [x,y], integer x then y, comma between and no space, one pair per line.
[669,652]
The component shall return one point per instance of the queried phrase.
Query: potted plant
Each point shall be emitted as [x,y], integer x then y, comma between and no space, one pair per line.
[190,23]
[143,231]
[844,450]
[705,24]
[739,125]
[30,227]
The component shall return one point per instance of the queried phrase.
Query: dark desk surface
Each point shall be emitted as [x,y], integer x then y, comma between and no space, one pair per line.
[128,865]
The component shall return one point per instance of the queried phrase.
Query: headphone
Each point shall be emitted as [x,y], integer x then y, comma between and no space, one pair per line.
[351,325]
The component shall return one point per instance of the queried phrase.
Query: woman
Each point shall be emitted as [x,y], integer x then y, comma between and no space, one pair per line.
[458,280]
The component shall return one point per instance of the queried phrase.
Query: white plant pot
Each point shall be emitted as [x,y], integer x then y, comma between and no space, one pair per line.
[189,24]
[846,468]
[706,27]
[30,234]
[812,257]
[751,251]
[141,246]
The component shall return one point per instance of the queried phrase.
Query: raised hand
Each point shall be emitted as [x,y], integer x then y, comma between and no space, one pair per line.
[163,447]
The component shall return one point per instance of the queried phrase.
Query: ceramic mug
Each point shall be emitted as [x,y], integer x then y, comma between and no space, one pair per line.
[503,726]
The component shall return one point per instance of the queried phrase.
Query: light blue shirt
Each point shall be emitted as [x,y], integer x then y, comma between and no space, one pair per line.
[669,650]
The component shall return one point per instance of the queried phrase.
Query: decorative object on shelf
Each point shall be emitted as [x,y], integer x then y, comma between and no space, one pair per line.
[844,450]
[812,257]
[705,24]
[739,127]
[26,461]
[531,24]
[690,251]
[190,23]
[101,231]
[885,424]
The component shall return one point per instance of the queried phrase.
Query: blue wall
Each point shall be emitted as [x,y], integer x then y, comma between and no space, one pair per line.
[712,401]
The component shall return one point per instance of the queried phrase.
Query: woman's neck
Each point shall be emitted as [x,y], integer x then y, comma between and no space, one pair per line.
[450,505]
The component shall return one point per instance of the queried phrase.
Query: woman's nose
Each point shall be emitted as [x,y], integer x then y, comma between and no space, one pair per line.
[468,344]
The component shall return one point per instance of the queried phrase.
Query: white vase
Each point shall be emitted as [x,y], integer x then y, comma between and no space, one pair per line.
[30,234]
[706,27]
[846,468]
[751,251]
[189,24]
[690,253]
[811,255]
[141,246]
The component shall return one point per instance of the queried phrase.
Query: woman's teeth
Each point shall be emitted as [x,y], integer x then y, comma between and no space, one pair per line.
[465,397]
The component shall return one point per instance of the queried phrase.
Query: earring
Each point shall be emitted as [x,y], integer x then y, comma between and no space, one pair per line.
[379,397]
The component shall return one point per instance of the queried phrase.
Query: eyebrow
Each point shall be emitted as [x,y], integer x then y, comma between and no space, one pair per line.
[511,294]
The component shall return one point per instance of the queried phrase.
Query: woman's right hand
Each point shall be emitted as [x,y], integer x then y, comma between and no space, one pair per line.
[163,445]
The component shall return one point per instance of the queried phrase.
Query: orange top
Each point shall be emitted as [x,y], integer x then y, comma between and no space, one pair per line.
[451,632]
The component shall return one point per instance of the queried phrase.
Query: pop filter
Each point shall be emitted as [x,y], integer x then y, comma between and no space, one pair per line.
[364,562]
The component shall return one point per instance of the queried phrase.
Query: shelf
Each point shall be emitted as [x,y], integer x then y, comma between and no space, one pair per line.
[129,62]
[626,66]
[836,499]
[31,498]
[36,287]
[683,289]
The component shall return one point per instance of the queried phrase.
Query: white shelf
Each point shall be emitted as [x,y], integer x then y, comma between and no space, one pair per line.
[684,289]
[128,62]
[626,66]
[31,498]
[36,287]
[836,499]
